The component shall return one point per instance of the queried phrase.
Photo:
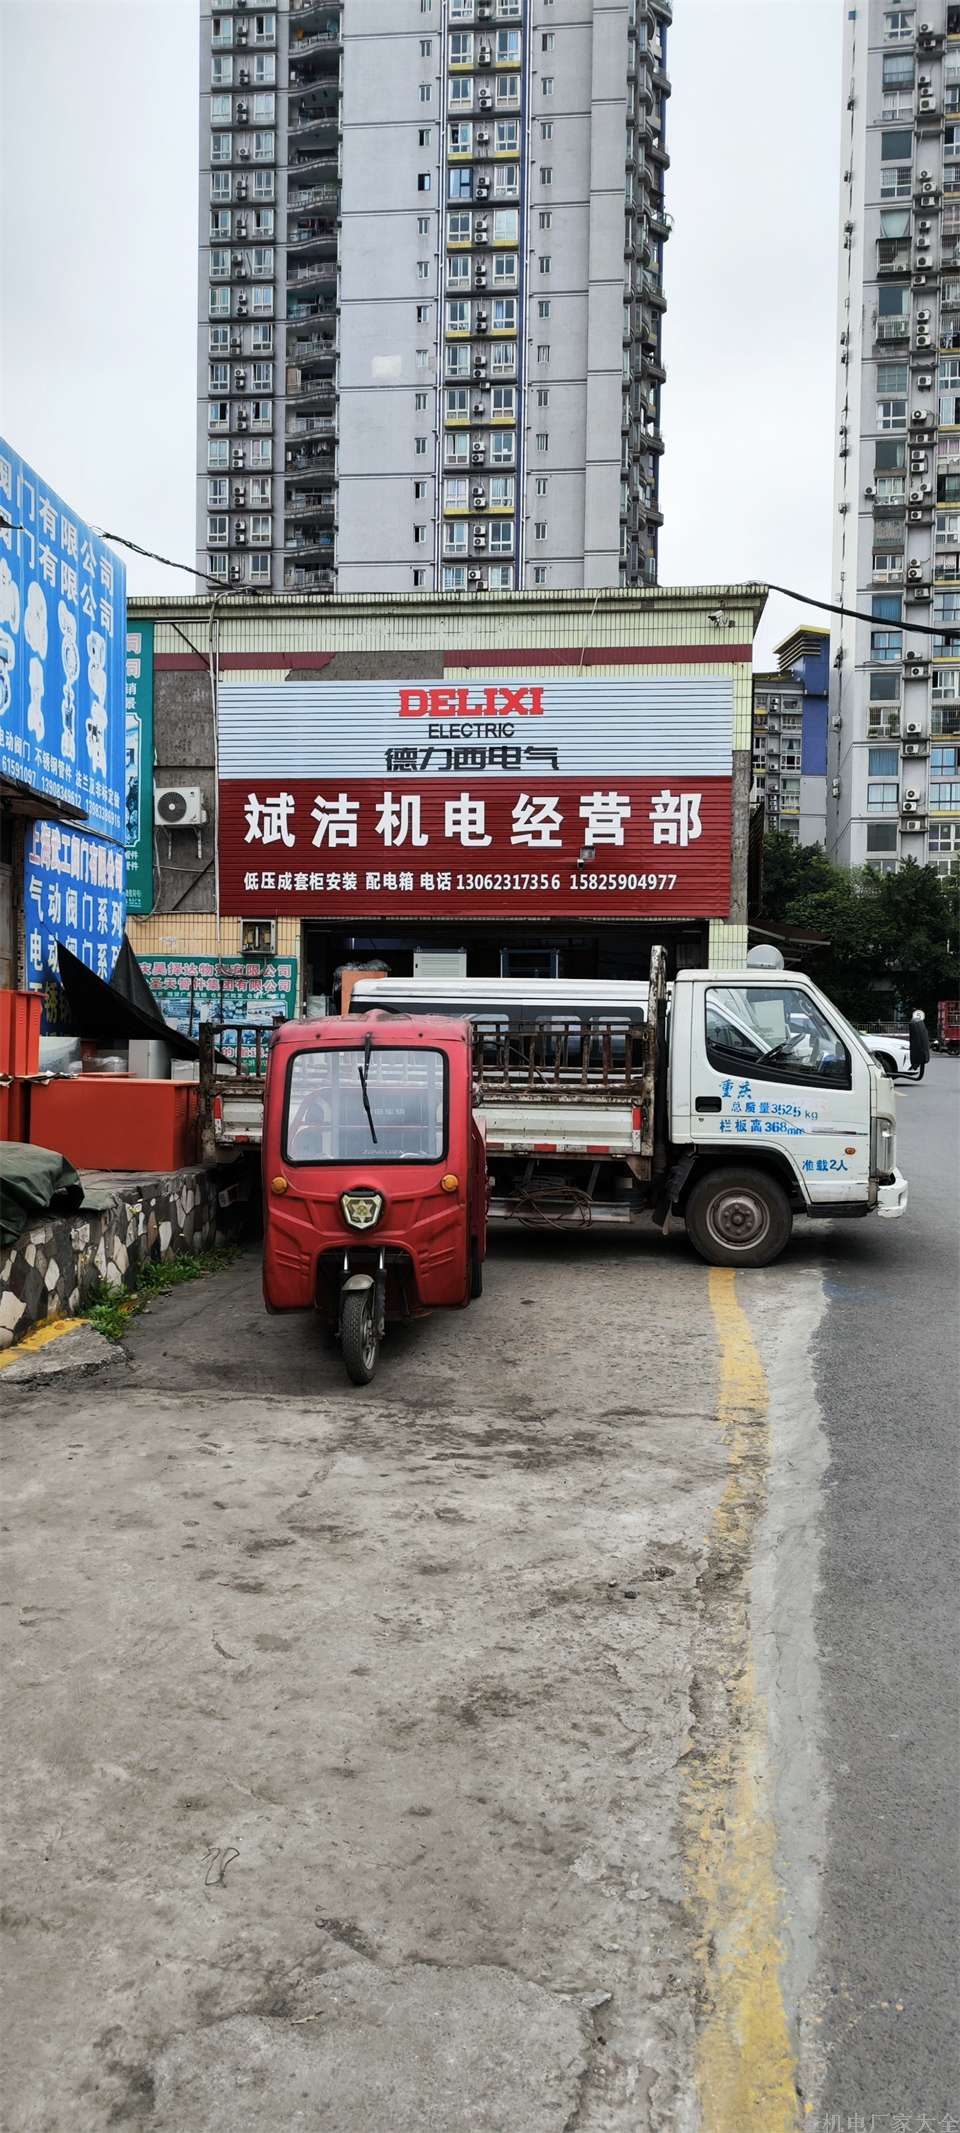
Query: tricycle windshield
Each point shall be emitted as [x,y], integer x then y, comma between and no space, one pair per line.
[385,1106]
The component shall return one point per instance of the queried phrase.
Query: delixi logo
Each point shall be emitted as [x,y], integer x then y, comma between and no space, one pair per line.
[499,700]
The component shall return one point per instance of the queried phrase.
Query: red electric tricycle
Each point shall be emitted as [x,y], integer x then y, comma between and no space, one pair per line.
[374,1175]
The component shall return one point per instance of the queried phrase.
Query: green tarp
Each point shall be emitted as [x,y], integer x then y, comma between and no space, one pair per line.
[34,1182]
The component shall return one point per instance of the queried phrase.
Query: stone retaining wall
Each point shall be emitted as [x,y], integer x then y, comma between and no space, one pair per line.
[57,1263]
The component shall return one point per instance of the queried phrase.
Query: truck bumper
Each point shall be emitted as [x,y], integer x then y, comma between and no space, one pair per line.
[892,1199]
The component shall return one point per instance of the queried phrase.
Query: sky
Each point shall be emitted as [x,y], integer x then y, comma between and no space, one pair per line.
[98,280]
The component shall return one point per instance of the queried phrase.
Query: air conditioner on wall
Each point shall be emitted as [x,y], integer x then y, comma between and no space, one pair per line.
[179,806]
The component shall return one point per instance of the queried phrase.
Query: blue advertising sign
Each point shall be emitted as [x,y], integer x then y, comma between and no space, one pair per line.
[138,768]
[74,892]
[63,622]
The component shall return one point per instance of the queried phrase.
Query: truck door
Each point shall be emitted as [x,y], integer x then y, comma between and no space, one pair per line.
[768,1069]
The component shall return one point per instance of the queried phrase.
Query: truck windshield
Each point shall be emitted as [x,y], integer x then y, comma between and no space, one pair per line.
[327,1121]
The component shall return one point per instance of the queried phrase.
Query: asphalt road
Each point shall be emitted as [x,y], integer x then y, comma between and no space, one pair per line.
[560,1732]
[886,1363]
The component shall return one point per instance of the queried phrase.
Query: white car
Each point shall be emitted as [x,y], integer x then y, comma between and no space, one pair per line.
[890,1048]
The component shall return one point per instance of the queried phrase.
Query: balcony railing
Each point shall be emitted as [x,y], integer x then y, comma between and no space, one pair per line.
[315,196]
[312,426]
[308,580]
[321,270]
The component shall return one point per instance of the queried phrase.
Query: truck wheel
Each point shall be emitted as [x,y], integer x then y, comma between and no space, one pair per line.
[358,1339]
[738,1218]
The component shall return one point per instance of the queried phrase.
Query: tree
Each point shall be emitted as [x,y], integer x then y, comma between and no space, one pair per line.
[891,939]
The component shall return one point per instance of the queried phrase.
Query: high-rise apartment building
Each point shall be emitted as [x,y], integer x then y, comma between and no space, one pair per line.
[430,293]
[894,785]
[790,737]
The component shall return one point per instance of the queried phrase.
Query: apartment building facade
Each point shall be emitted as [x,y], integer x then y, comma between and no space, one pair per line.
[790,737]
[431,293]
[894,788]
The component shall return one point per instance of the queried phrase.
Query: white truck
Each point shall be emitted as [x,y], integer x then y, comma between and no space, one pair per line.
[731,1099]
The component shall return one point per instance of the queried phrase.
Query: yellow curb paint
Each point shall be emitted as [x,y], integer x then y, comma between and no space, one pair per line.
[53,1329]
[745,2064]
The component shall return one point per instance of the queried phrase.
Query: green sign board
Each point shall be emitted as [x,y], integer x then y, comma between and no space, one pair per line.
[190,989]
[138,769]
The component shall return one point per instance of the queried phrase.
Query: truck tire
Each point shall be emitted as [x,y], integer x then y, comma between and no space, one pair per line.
[738,1217]
[358,1338]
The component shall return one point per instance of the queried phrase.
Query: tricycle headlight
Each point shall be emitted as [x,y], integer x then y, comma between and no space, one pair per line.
[361,1210]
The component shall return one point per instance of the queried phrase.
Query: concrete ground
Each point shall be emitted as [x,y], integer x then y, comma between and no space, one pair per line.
[445,1755]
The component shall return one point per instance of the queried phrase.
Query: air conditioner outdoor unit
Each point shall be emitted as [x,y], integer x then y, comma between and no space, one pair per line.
[239,494]
[920,418]
[916,670]
[474,577]
[925,226]
[240,380]
[911,796]
[913,748]
[913,726]
[908,807]
[242,188]
[244,77]
[179,806]
[926,103]
[914,572]
[235,574]
[236,344]
[924,340]
[918,463]
[923,259]
[243,155]
[835,788]
[924,385]
[869,492]
[924,81]
[926,177]
[924,317]
[916,496]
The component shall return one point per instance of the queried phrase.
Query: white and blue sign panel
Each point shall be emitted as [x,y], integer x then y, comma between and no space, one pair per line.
[74,892]
[63,625]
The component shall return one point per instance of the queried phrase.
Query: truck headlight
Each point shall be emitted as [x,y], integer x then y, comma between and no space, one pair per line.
[361,1210]
[885,1144]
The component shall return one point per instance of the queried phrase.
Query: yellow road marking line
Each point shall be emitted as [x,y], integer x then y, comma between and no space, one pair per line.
[745,2064]
[52,1329]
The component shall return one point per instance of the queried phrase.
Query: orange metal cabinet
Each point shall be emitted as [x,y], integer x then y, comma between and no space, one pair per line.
[113,1122]
[19,1032]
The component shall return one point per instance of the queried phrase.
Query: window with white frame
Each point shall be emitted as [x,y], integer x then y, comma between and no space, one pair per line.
[503,403]
[263,222]
[896,181]
[261,529]
[456,495]
[457,448]
[217,523]
[260,490]
[261,339]
[503,448]
[219,263]
[506,179]
[221,30]
[260,569]
[264,108]
[419,534]
[504,314]
[221,70]
[542,441]
[424,136]
[218,452]
[505,267]
[539,574]
[502,492]
[502,539]
[507,50]
[221,148]
[219,379]
[883,798]
[264,67]
[216,566]
[420,447]
[219,303]
[500,577]
[503,358]
[455,532]
[460,137]
[261,451]
[219,340]
[546,174]
[891,414]
[898,25]
[264,147]
[262,260]
[460,95]
[458,269]
[886,645]
[221,184]
[221,110]
[421,402]
[263,184]
[458,226]
[218,495]
[508,92]
[263,377]
[426,92]
[456,401]
[262,296]
[461,48]
[943,846]
[419,578]
[506,225]
[458,315]
[457,361]
[507,137]
[454,578]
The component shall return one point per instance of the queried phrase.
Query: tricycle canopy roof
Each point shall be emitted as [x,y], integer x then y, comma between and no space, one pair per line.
[348,1031]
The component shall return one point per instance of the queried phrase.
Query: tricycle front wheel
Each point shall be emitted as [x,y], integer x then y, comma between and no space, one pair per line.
[359,1338]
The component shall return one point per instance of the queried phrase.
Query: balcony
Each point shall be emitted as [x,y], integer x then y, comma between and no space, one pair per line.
[301,312]
[313,196]
[319,350]
[312,274]
[311,459]
[313,57]
[312,426]
[296,580]
[651,289]
[891,329]
[316,509]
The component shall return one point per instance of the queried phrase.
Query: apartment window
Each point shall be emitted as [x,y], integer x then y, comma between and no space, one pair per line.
[507,137]
[262,295]
[426,47]
[502,448]
[500,577]
[504,314]
[458,269]
[944,847]
[898,70]
[454,580]
[221,71]
[506,225]
[221,110]
[262,414]
[221,30]
[508,48]
[264,147]
[264,108]
[458,316]
[219,381]
[423,181]
[261,339]
[220,264]
[423,225]
[262,222]
[423,314]
[881,837]
[546,173]
[505,266]
[951,154]
[546,87]
[261,529]
[455,536]
[542,484]
[424,136]
[944,762]
[543,395]
[260,569]
[455,493]
[423,269]
[457,355]
[420,447]
[501,538]
[219,338]
[891,414]
[543,307]
[893,377]
[896,182]
[461,92]
[419,535]
[458,448]
[264,67]
[896,145]
[459,184]
[460,137]
[540,529]
[898,25]
[423,358]
[261,451]
[548,42]
[421,402]
[885,688]
[543,351]
[883,762]
[508,90]
[539,574]
[219,303]
[221,148]
[263,185]
[945,799]
[262,259]
[886,644]
[460,10]
[502,492]
[265,29]
[221,184]
[419,488]
[217,526]
[263,377]
[455,401]
[889,453]
[545,218]
[217,494]
[458,226]
[218,452]
[506,179]
[426,92]
[882,799]
[503,403]
[461,48]
[419,578]
[544,262]
[887,607]
[543,441]
[260,490]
